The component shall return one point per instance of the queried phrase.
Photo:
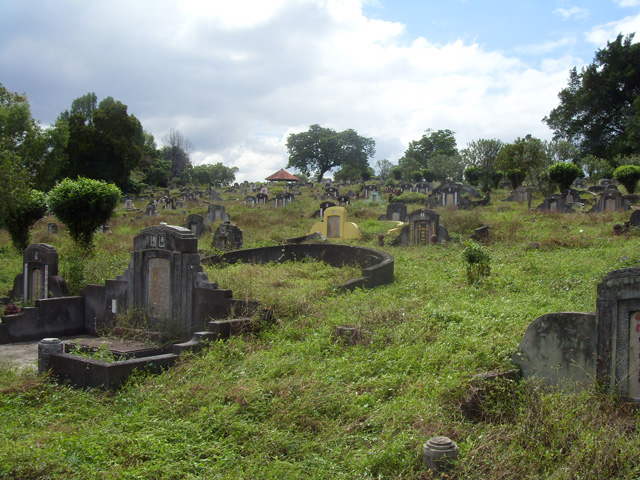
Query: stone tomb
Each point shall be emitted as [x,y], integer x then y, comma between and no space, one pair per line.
[151,211]
[574,349]
[216,213]
[618,332]
[555,204]
[424,228]
[396,212]
[39,278]
[196,224]
[262,198]
[450,196]
[227,237]
[52,228]
[335,225]
[610,200]
[250,201]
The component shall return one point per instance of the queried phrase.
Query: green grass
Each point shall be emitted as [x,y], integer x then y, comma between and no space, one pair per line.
[289,402]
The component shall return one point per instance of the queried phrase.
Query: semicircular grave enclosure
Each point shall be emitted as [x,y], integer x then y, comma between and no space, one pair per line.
[377,266]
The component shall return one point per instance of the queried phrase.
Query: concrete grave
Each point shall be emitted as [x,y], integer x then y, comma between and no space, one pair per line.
[151,211]
[196,224]
[554,204]
[52,228]
[560,349]
[39,279]
[618,332]
[249,201]
[227,237]
[262,198]
[396,212]
[610,200]
[423,187]
[423,229]
[335,224]
[216,213]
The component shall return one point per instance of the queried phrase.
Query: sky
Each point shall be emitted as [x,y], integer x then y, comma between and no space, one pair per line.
[238,77]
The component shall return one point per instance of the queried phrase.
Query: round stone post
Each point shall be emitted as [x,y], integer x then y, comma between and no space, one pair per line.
[439,453]
[47,347]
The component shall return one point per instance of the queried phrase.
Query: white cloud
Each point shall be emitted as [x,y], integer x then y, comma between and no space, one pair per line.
[546,47]
[237,85]
[573,12]
[628,3]
[601,34]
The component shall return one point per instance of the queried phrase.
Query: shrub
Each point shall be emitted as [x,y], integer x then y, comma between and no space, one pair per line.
[628,175]
[83,205]
[472,175]
[21,215]
[563,174]
[411,197]
[477,260]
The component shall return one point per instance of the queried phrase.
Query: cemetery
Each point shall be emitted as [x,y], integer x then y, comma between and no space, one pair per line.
[302,328]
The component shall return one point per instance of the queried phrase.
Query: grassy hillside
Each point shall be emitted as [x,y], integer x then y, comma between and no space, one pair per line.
[290,402]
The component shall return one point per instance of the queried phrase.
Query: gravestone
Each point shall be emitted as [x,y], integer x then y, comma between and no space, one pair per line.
[227,237]
[262,198]
[128,204]
[368,189]
[396,212]
[423,187]
[450,196]
[39,278]
[324,205]
[554,204]
[634,221]
[250,201]
[196,224]
[332,192]
[618,332]
[375,197]
[406,187]
[335,224]
[424,226]
[216,213]
[151,211]
[610,200]
[52,228]
[343,200]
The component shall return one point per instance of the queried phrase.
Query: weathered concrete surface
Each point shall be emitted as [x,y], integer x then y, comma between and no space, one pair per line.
[560,348]
[20,355]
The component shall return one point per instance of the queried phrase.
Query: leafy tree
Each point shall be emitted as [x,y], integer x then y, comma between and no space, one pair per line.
[472,175]
[628,175]
[177,149]
[105,143]
[21,214]
[216,174]
[482,154]
[595,167]
[599,110]
[83,205]
[384,167]
[396,173]
[416,176]
[435,150]
[563,174]
[320,149]
[525,157]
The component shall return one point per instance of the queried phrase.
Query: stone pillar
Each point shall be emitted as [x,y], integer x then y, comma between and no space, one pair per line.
[439,453]
[46,348]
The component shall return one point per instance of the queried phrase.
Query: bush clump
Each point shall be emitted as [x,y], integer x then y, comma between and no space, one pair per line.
[83,205]
[21,215]
[628,175]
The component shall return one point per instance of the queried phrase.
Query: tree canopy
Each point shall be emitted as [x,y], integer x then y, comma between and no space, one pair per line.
[105,143]
[599,110]
[320,149]
[435,151]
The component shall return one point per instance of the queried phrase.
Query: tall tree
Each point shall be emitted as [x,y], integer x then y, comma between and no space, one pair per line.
[384,167]
[320,149]
[177,149]
[106,145]
[482,154]
[599,110]
[437,151]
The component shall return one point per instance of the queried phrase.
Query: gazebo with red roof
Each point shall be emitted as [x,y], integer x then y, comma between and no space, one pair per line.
[282,176]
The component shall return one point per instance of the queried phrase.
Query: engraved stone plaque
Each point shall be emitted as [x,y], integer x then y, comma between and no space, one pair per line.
[158,288]
[634,354]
